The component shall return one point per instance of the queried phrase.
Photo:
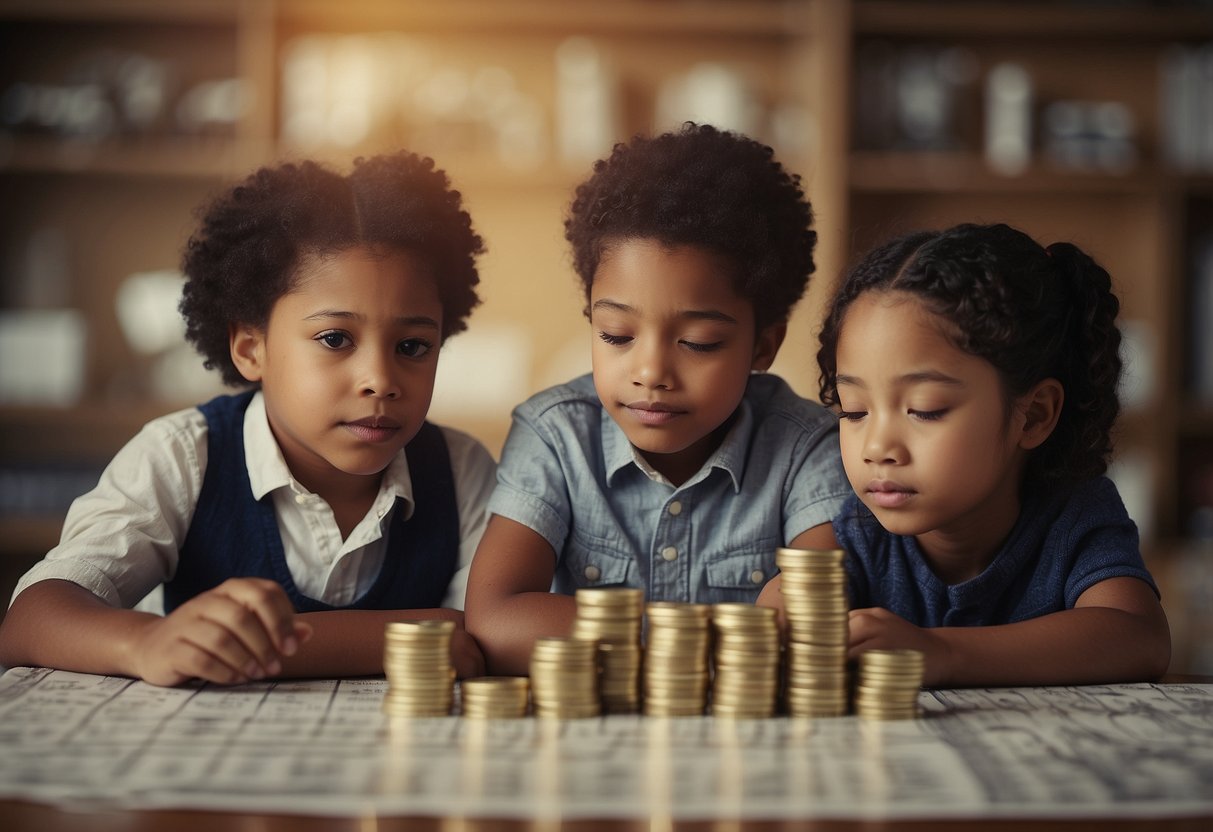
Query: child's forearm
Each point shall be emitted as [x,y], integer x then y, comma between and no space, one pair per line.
[350,642]
[60,624]
[507,629]
[1087,645]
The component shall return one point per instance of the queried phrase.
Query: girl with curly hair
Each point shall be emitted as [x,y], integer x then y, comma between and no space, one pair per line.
[975,375]
[289,522]
[678,465]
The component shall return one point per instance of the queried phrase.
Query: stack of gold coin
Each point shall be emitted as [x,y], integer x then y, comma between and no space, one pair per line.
[676,673]
[613,617]
[814,584]
[495,697]
[417,663]
[747,661]
[889,681]
[564,678]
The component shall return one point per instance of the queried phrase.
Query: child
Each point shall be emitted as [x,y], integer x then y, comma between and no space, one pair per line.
[288,524]
[975,375]
[675,466]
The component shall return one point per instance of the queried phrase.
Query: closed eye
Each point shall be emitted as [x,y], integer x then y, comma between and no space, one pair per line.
[614,340]
[852,415]
[695,346]
[929,415]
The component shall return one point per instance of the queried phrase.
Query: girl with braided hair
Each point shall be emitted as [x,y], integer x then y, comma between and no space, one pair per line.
[975,376]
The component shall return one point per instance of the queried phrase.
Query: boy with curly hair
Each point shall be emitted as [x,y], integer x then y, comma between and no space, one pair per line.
[290,522]
[676,465]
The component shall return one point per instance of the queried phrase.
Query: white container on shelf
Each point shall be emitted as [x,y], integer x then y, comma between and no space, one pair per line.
[42,356]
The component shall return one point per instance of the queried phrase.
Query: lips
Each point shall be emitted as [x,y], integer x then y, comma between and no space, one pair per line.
[888,493]
[373,428]
[653,413]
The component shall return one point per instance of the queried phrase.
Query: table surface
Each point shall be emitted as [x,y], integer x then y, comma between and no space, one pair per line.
[19,814]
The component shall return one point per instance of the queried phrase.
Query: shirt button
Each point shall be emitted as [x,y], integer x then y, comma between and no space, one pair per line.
[593,573]
[301,499]
[756,576]
[675,508]
[669,553]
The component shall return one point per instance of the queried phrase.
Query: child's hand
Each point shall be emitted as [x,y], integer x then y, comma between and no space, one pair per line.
[466,655]
[238,631]
[876,628]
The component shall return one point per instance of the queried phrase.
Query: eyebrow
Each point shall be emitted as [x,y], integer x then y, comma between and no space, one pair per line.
[921,377]
[688,314]
[406,320]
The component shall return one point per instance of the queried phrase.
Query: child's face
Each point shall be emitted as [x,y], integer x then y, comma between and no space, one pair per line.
[673,347]
[346,364]
[925,436]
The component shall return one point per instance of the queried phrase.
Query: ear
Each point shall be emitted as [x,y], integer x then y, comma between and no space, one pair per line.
[247,345]
[1040,408]
[767,346]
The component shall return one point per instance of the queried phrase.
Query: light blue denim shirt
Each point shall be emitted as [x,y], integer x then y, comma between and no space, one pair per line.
[568,472]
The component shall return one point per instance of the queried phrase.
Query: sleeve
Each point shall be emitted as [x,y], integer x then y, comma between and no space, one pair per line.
[848,531]
[474,470]
[121,539]
[818,483]
[531,486]
[1102,540]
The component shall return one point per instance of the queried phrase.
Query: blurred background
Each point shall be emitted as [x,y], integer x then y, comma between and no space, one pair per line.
[1089,121]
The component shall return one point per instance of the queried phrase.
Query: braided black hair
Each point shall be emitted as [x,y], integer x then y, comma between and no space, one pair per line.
[1033,313]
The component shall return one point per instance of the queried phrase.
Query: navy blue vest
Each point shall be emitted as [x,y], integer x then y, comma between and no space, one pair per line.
[233,535]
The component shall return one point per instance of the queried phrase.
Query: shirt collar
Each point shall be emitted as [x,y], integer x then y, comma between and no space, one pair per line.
[618,452]
[268,472]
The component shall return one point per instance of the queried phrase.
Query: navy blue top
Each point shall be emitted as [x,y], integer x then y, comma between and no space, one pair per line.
[234,535]
[1061,545]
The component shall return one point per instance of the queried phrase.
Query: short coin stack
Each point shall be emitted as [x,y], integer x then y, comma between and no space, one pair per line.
[613,617]
[889,681]
[814,585]
[564,678]
[747,661]
[495,697]
[417,663]
[676,673]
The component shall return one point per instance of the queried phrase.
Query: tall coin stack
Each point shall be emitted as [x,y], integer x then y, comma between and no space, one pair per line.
[564,678]
[889,681]
[613,617]
[747,661]
[417,663]
[815,602]
[676,673]
[495,697]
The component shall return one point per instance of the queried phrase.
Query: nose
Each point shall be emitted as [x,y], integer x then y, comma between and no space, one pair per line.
[651,366]
[379,376]
[882,444]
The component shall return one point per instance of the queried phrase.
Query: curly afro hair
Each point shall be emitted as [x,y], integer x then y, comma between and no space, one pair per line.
[703,187]
[252,239]
[1033,313]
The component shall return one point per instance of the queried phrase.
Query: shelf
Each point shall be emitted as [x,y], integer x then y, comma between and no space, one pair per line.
[227,159]
[123,11]
[751,18]
[140,156]
[968,173]
[1029,20]
[27,537]
[88,431]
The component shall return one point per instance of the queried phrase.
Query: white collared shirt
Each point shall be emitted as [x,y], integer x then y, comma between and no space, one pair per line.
[121,540]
